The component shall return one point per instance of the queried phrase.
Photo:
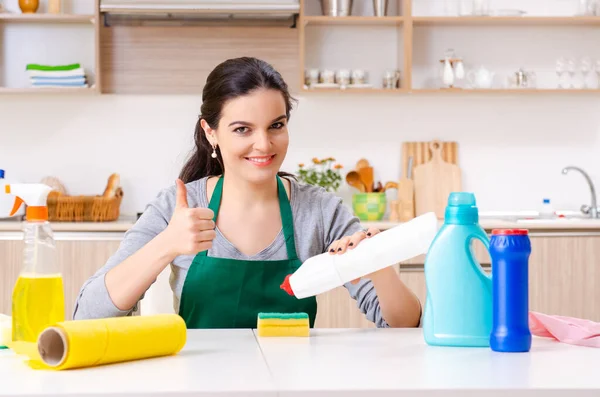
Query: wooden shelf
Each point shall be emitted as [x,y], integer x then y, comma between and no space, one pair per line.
[50,90]
[500,91]
[434,91]
[351,91]
[352,20]
[46,18]
[522,21]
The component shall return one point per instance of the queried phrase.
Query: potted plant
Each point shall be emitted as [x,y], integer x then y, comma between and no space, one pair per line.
[323,172]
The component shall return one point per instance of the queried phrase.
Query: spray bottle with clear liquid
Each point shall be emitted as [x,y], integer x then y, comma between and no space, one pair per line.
[38,296]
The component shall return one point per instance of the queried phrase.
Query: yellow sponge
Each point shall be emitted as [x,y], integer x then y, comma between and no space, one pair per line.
[283,324]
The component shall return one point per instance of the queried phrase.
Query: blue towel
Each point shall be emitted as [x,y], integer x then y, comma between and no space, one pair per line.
[58,78]
[59,84]
[57,81]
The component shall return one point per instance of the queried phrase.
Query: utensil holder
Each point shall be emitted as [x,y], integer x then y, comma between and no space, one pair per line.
[369,206]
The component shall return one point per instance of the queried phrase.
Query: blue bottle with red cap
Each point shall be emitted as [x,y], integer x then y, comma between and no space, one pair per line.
[509,252]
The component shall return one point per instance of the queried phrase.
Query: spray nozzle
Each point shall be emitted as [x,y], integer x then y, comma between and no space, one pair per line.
[35,195]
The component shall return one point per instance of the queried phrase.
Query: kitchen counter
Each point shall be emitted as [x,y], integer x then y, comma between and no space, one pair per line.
[559,224]
[332,362]
[125,223]
[121,225]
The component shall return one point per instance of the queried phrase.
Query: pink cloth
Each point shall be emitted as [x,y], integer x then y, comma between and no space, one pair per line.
[570,330]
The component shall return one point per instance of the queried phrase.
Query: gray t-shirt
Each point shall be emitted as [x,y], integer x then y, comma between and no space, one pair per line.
[320,218]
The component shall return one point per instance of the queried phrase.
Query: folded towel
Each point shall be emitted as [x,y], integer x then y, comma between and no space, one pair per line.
[569,330]
[61,80]
[79,72]
[59,85]
[57,78]
[54,68]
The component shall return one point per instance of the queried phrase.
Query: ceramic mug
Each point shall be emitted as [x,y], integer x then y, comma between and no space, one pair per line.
[327,77]
[342,77]
[311,76]
[359,76]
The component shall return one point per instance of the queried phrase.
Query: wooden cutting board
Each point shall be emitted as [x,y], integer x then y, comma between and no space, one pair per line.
[434,181]
[421,154]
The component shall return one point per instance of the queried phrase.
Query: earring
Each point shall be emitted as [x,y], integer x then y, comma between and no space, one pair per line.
[214,153]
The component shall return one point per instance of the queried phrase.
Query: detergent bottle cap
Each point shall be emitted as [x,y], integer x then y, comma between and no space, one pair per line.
[34,195]
[461,209]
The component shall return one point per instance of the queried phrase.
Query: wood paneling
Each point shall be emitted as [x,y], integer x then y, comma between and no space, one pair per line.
[564,276]
[177,60]
[78,260]
[11,260]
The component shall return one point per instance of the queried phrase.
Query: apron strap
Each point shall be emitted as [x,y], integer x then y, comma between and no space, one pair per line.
[287,220]
[285,210]
[215,203]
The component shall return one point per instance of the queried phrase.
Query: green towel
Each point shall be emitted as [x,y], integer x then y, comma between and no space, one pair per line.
[35,66]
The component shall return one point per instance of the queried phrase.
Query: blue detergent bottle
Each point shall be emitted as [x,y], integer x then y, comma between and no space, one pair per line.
[458,307]
[510,250]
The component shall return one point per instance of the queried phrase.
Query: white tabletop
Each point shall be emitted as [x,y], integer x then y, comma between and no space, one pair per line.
[224,361]
[348,362]
[398,362]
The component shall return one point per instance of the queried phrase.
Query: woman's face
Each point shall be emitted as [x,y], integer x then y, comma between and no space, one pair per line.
[252,135]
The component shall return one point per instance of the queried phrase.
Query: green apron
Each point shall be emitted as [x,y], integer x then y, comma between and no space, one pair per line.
[229,293]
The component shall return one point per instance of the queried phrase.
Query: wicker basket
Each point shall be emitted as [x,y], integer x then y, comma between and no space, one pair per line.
[84,208]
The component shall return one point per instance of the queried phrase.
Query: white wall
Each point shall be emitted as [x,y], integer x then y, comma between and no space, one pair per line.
[512,149]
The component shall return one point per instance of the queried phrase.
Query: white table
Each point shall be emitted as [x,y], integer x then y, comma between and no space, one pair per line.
[225,361]
[332,362]
[398,362]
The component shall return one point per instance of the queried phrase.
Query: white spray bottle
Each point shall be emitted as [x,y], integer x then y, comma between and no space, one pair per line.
[38,295]
[7,201]
[325,272]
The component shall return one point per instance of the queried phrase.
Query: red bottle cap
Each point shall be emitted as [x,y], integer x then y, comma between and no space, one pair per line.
[286,285]
[510,232]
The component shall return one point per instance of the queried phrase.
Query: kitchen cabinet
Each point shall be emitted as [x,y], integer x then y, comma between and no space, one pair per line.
[564,279]
[79,256]
[564,274]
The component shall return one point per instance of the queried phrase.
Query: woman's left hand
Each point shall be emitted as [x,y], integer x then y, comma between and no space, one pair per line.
[340,246]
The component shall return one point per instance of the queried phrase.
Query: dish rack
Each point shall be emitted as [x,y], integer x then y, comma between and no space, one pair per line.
[62,208]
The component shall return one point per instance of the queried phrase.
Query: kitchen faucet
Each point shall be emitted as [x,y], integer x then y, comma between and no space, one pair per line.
[586,209]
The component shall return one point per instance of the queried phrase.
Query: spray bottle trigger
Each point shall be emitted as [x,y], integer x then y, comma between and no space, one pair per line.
[18,202]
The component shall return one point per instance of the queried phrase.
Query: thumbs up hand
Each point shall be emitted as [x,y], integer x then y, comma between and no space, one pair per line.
[190,230]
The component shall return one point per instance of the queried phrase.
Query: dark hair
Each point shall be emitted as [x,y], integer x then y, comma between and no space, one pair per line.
[230,79]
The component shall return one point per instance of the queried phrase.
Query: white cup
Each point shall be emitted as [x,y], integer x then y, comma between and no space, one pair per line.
[359,76]
[311,76]
[328,76]
[342,77]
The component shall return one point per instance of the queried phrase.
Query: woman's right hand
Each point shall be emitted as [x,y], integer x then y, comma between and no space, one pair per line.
[190,230]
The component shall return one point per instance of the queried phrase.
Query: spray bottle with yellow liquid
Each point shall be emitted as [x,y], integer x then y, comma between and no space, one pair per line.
[38,296]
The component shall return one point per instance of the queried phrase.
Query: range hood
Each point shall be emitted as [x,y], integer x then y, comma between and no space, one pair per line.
[269,9]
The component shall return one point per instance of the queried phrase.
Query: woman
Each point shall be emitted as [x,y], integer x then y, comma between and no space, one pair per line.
[267,224]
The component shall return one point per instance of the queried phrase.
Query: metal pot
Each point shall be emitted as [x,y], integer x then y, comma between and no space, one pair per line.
[337,8]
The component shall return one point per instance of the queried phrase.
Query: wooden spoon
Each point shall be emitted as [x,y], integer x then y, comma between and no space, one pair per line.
[362,163]
[353,179]
[366,176]
[390,185]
